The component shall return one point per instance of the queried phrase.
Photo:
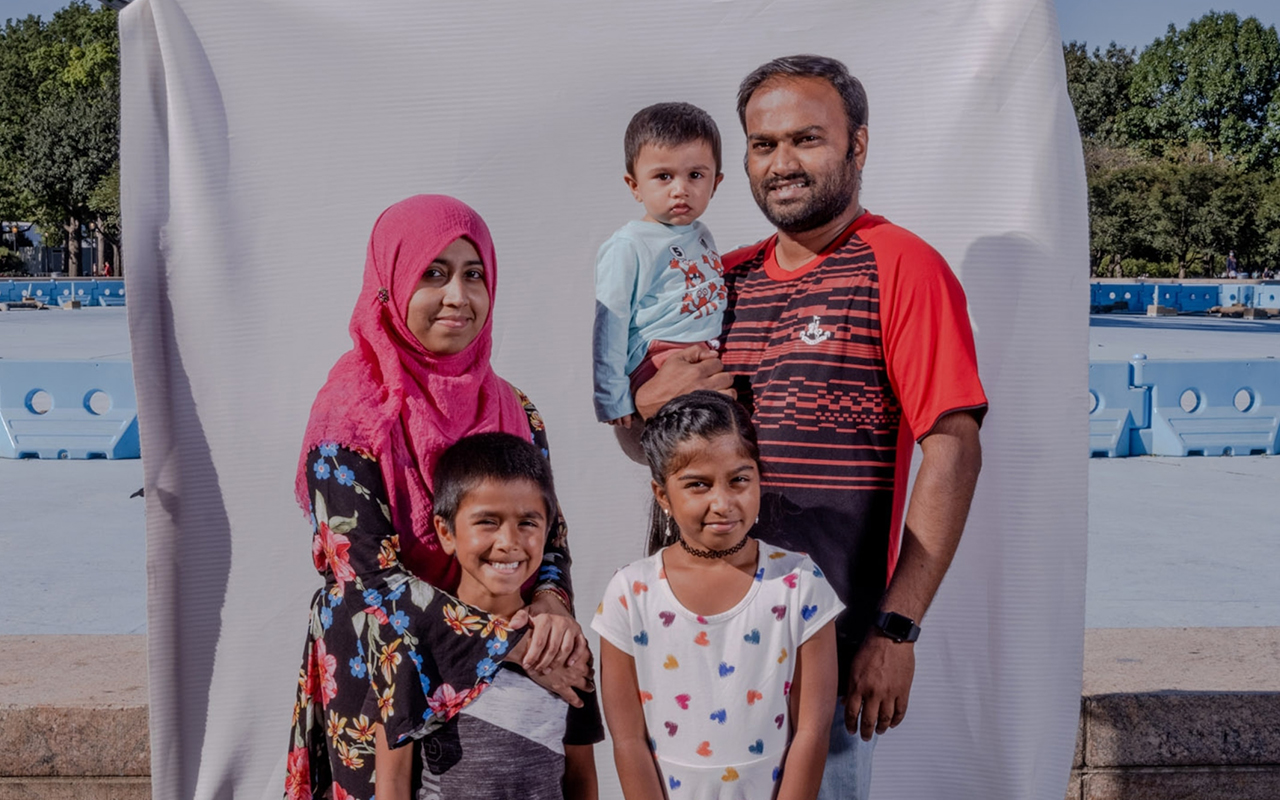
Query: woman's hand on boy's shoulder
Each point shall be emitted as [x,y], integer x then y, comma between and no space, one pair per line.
[541,654]
[556,638]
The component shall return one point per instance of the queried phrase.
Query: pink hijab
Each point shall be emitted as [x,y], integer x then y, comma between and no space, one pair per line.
[395,400]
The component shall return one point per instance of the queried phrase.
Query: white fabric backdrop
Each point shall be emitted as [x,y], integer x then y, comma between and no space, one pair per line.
[262,138]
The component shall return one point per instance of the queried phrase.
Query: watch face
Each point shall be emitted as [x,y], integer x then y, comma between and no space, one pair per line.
[896,626]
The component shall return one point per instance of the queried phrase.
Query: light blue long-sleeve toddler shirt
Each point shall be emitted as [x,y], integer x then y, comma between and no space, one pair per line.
[653,282]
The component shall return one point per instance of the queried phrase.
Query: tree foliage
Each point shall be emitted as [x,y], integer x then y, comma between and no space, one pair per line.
[1215,84]
[60,120]
[1182,147]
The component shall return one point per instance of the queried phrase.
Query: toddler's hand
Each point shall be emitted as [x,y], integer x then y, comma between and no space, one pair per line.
[623,421]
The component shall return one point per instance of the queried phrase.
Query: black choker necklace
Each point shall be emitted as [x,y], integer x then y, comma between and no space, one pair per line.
[693,551]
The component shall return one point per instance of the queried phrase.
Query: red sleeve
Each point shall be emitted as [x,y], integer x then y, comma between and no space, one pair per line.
[743,254]
[928,340]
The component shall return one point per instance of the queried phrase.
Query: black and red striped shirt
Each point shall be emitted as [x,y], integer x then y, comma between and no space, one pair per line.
[843,363]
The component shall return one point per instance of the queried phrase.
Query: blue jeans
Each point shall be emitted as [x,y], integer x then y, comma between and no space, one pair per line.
[848,772]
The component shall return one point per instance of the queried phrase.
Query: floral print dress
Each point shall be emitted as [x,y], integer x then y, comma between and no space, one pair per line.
[384,646]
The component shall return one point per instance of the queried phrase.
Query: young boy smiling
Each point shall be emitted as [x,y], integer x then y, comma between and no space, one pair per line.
[494,501]
[658,279]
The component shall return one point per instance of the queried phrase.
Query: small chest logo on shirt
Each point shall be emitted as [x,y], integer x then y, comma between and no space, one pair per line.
[813,333]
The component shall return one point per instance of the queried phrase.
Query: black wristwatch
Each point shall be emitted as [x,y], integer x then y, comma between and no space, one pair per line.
[897,627]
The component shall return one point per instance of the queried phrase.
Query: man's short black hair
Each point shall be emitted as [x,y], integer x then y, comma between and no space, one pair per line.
[668,125]
[810,66]
[489,457]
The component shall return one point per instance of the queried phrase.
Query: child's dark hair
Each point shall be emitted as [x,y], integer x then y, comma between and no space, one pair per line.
[669,124]
[698,415]
[473,460]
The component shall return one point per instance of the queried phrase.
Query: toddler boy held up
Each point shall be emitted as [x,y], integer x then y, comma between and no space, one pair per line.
[659,284]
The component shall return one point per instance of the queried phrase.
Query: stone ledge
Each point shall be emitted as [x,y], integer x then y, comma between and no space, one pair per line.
[51,741]
[75,789]
[1170,697]
[1182,729]
[1181,783]
[1167,714]
[73,707]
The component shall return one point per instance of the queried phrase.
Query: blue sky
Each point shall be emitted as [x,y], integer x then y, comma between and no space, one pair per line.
[1134,23]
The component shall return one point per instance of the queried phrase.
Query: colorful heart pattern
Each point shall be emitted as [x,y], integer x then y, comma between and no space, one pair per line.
[714,652]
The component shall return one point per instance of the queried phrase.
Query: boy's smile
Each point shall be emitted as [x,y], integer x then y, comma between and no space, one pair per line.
[676,182]
[498,537]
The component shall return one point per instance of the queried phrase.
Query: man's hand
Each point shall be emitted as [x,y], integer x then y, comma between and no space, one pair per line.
[695,367]
[879,683]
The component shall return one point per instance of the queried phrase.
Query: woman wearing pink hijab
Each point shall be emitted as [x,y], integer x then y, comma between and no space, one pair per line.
[389,656]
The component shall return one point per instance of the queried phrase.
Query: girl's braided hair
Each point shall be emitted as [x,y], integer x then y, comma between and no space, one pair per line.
[698,415]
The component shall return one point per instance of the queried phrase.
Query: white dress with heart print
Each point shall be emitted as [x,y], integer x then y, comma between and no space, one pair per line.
[714,689]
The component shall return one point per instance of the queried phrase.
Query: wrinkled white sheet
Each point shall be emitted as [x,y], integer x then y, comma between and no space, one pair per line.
[262,138]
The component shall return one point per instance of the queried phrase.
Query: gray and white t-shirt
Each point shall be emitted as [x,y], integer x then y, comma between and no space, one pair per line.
[507,743]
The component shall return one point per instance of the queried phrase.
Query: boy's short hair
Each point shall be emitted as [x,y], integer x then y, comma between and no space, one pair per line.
[669,124]
[473,460]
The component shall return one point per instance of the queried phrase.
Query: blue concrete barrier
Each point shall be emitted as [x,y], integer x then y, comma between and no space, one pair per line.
[1212,407]
[1185,298]
[36,290]
[9,292]
[86,292]
[1116,410]
[1136,296]
[110,291]
[1184,408]
[1169,294]
[68,409]
[1235,294]
[1267,295]
[1197,298]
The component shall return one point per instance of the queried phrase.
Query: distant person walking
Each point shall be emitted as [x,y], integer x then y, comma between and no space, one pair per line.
[1231,265]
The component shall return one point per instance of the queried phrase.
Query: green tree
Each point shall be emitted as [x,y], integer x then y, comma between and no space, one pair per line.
[1098,85]
[1215,83]
[59,119]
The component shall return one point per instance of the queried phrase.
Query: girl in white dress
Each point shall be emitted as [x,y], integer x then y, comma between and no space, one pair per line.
[718,652]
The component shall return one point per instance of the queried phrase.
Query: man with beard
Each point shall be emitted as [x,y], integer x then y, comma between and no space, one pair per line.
[848,339]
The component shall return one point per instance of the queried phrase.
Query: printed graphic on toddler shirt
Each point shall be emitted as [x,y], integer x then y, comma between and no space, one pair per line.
[706,292]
